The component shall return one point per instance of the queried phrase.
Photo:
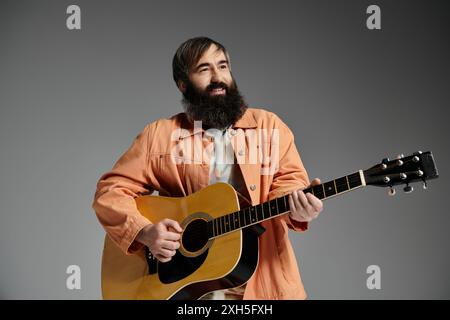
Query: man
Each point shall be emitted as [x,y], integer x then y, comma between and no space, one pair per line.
[162,158]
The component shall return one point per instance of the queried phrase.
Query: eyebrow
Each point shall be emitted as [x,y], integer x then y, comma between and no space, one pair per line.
[207,64]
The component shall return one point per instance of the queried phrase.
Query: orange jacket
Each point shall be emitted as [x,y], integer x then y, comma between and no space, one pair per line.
[148,165]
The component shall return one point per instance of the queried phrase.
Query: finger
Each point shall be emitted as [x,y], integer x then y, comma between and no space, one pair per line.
[297,203]
[292,206]
[172,223]
[304,201]
[315,202]
[161,258]
[170,245]
[172,236]
[165,253]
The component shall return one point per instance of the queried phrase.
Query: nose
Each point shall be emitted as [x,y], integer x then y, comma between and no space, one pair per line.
[215,75]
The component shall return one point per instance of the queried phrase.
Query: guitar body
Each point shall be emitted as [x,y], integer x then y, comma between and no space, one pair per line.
[200,266]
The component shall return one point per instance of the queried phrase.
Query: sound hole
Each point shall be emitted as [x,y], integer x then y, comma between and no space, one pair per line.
[195,235]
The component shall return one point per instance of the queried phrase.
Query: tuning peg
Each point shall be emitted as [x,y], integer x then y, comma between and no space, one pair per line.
[400,156]
[391,191]
[418,152]
[408,189]
[385,160]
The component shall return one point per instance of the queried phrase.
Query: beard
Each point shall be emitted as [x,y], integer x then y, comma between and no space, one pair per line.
[215,111]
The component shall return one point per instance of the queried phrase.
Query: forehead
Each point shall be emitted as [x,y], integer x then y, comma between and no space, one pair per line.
[213,54]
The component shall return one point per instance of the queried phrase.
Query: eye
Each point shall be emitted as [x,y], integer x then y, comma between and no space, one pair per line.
[224,66]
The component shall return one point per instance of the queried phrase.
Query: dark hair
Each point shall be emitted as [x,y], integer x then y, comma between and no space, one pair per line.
[188,54]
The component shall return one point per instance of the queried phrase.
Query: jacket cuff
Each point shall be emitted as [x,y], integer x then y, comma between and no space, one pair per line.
[296,225]
[129,244]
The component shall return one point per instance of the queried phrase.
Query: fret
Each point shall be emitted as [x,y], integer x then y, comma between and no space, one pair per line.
[280,205]
[231,221]
[318,191]
[214,221]
[341,185]
[252,215]
[209,230]
[266,210]
[260,211]
[221,225]
[258,215]
[238,213]
[242,218]
[354,180]
[329,189]
[224,219]
[273,208]
[228,223]
[233,218]
[225,224]
[348,185]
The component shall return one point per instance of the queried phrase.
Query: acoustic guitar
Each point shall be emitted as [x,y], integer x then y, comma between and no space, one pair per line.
[219,242]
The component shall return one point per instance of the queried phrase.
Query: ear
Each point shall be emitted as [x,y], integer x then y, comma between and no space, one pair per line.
[182,86]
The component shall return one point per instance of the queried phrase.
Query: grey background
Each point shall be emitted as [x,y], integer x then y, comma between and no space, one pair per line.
[73,101]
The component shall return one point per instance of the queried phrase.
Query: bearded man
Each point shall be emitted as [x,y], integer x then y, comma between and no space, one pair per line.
[162,158]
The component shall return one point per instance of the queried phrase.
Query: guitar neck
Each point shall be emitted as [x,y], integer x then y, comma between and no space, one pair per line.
[276,207]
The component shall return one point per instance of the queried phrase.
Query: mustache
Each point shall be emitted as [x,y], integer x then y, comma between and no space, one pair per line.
[217,85]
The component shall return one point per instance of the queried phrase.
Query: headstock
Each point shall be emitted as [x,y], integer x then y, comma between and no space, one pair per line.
[419,166]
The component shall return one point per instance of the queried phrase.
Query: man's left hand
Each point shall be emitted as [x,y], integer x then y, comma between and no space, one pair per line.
[305,207]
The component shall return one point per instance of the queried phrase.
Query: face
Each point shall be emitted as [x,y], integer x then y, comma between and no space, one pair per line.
[211,94]
[211,74]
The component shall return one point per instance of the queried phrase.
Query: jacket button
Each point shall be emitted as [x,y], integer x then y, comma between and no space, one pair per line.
[241,152]
[253,187]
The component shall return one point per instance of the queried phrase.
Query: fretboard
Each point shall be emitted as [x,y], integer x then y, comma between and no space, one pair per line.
[276,207]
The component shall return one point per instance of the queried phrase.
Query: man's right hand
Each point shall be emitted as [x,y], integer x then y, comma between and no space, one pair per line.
[162,238]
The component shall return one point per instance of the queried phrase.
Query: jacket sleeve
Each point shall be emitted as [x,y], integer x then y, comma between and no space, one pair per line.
[114,202]
[291,174]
